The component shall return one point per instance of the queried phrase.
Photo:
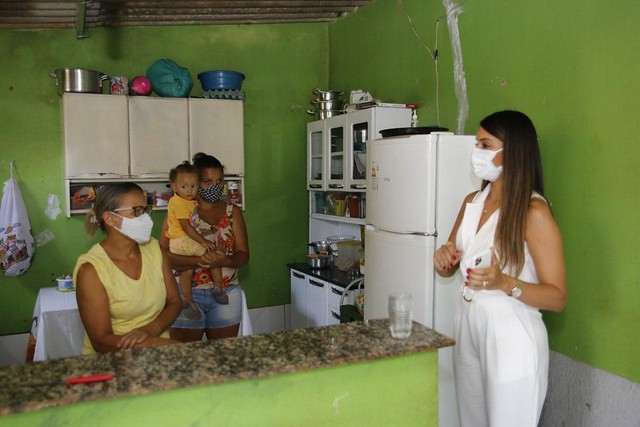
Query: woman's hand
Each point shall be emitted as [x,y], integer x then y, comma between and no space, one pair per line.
[133,338]
[446,259]
[488,278]
[139,338]
[213,259]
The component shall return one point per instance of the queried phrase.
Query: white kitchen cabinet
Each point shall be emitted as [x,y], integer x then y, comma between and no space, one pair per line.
[336,151]
[336,160]
[298,300]
[316,157]
[96,135]
[334,295]
[216,127]
[336,146]
[308,300]
[315,302]
[158,135]
[116,138]
[147,136]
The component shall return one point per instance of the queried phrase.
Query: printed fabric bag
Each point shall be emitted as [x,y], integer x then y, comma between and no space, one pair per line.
[17,245]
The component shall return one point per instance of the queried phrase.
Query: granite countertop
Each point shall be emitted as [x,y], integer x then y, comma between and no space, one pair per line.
[332,274]
[33,386]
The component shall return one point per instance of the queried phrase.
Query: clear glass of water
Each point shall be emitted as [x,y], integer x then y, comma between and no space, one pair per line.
[400,314]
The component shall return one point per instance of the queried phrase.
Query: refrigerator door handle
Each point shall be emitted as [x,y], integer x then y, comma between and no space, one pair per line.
[434,234]
[371,227]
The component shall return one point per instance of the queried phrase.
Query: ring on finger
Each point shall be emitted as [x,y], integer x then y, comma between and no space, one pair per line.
[485,283]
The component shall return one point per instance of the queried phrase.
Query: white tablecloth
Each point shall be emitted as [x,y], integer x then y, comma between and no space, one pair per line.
[58,329]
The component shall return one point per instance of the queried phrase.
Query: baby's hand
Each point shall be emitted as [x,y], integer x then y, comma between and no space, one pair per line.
[209,246]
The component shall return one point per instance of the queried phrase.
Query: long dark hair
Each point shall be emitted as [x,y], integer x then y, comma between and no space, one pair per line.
[522,175]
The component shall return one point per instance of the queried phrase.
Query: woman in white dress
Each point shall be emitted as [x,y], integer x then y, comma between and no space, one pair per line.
[501,353]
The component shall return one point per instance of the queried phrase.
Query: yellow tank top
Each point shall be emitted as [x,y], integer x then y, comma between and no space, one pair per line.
[132,303]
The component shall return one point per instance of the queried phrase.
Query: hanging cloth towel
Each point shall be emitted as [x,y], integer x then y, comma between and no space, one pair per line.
[16,242]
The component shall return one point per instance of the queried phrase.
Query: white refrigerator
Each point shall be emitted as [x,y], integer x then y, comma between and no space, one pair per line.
[415,187]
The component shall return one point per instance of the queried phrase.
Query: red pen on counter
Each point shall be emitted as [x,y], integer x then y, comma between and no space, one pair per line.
[88,379]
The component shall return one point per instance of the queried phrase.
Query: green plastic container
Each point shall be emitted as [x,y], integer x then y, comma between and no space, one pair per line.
[349,313]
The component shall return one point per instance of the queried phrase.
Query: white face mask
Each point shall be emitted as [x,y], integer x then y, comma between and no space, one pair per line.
[138,229]
[482,162]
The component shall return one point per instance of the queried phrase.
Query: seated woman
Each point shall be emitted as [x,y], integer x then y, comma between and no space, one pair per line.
[126,292]
[222,224]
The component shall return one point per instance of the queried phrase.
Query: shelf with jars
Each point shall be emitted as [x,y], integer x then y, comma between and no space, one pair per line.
[81,192]
[349,207]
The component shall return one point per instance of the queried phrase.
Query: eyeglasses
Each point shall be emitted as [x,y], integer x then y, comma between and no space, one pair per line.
[137,210]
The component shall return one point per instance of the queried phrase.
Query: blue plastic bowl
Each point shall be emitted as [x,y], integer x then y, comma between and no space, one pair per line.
[221,79]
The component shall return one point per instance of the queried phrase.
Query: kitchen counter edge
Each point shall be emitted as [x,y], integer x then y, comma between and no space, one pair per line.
[34,386]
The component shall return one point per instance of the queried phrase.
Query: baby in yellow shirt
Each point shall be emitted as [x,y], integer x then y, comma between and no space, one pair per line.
[184,239]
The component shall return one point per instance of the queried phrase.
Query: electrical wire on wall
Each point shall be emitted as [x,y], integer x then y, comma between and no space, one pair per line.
[432,53]
[452,12]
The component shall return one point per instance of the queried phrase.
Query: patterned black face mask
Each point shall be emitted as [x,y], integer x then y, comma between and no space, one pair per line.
[211,194]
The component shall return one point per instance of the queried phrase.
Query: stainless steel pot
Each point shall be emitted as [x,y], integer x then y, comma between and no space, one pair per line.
[328,105]
[327,95]
[320,247]
[324,114]
[318,261]
[78,80]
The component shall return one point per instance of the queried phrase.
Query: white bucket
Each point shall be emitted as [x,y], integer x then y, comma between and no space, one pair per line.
[64,284]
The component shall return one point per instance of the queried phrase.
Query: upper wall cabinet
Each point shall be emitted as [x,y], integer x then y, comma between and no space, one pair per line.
[115,136]
[337,146]
[158,134]
[216,128]
[96,134]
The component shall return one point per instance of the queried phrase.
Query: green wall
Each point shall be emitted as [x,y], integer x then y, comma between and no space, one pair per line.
[282,63]
[572,67]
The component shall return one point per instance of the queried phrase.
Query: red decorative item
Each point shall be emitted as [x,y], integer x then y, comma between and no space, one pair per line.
[141,85]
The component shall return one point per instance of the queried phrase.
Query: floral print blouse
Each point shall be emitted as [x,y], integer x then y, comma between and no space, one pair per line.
[221,235]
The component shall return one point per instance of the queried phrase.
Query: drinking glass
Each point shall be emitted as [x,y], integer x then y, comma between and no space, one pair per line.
[400,314]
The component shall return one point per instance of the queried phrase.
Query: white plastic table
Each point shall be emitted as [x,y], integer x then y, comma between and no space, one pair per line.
[58,329]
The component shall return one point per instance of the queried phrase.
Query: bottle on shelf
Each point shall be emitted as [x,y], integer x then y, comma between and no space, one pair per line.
[234,194]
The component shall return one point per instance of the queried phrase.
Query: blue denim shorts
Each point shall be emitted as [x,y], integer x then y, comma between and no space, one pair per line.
[213,315]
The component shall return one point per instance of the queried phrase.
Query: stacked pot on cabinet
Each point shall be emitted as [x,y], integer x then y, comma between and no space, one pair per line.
[327,103]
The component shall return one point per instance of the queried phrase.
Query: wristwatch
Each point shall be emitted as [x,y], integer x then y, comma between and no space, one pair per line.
[517,289]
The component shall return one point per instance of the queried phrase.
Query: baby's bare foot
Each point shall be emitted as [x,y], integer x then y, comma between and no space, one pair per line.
[220,296]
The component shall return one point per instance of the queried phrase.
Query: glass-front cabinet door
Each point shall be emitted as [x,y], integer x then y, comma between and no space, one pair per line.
[335,128]
[359,130]
[316,156]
